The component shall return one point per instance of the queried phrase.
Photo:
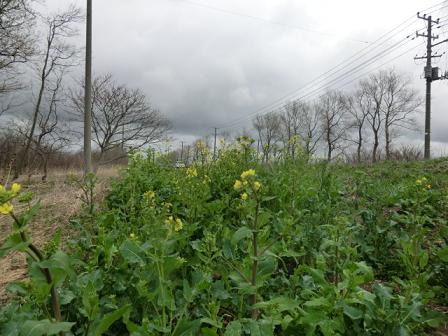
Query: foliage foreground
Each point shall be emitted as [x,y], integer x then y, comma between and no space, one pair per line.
[239,248]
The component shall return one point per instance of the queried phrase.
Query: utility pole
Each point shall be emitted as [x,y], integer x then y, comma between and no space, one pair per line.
[431,74]
[88,94]
[182,151]
[214,145]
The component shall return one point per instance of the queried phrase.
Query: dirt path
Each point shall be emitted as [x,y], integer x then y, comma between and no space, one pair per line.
[59,203]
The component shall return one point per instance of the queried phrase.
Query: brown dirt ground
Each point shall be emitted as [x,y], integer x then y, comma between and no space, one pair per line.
[59,203]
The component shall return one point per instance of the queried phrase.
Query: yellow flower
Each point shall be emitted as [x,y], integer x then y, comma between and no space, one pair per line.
[15,188]
[257,185]
[181,260]
[247,174]
[178,226]
[149,195]
[6,208]
[192,172]
[237,185]
[244,196]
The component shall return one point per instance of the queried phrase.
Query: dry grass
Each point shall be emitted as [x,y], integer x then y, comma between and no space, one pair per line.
[59,203]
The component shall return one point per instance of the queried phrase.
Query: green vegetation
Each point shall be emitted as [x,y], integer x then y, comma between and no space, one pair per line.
[239,248]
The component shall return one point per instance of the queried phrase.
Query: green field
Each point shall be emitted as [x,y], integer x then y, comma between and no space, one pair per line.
[236,247]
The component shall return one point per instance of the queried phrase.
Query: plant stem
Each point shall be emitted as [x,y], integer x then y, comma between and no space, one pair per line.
[255,261]
[46,272]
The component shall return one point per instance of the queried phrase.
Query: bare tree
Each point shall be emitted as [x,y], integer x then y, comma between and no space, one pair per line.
[16,40]
[311,132]
[121,117]
[400,104]
[300,120]
[52,135]
[359,106]
[374,89]
[268,128]
[290,122]
[56,56]
[332,108]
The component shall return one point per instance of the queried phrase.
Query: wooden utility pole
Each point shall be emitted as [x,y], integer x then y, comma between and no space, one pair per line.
[431,74]
[88,94]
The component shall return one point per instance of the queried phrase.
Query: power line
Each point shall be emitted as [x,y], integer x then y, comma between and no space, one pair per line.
[332,71]
[282,108]
[322,78]
[257,18]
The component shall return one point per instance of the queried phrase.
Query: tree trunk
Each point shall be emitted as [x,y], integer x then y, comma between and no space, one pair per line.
[23,162]
[360,139]
[387,134]
[375,147]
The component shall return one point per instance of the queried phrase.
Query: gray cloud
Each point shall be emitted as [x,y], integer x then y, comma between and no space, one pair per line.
[203,68]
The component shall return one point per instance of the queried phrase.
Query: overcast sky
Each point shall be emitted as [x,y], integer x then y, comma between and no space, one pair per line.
[214,63]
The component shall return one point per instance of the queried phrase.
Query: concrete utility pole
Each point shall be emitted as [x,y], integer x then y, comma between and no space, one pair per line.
[431,74]
[214,145]
[182,151]
[88,94]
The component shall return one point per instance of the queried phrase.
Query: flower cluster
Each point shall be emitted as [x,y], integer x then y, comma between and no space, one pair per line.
[6,196]
[247,174]
[192,172]
[207,179]
[294,140]
[245,141]
[423,182]
[247,184]
[173,223]
[200,144]
[150,198]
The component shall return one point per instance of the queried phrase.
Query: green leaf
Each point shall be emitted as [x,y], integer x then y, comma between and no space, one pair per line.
[352,312]
[60,266]
[211,322]
[13,242]
[241,233]
[423,260]
[280,304]
[234,328]
[261,328]
[90,301]
[318,302]
[132,253]
[187,291]
[44,327]
[26,216]
[109,319]
[443,254]
[187,328]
